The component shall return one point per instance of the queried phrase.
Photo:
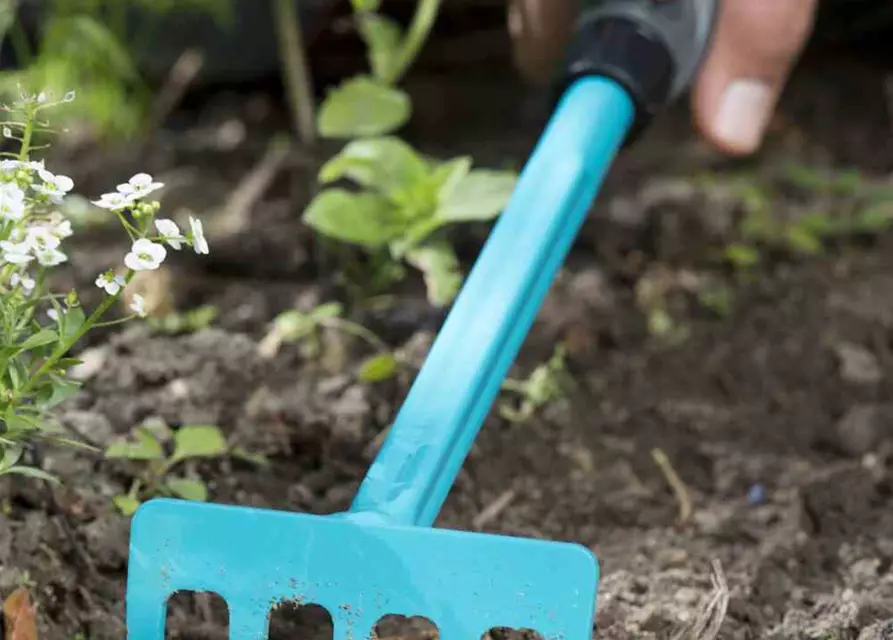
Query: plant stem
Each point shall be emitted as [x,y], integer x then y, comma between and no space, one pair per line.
[112,323]
[63,347]
[357,330]
[419,28]
[26,135]
[296,73]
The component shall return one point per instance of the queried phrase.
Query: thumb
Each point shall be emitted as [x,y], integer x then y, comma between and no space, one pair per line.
[755,46]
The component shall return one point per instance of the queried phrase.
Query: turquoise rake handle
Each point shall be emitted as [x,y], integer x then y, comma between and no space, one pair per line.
[453,393]
[628,59]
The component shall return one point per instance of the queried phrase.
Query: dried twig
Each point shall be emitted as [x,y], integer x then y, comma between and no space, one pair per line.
[712,614]
[296,71]
[181,76]
[493,509]
[235,215]
[676,484]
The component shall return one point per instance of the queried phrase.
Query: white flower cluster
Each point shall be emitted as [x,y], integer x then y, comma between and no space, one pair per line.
[32,230]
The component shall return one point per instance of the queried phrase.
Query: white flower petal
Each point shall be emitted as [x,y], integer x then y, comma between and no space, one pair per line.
[138,305]
[199,243]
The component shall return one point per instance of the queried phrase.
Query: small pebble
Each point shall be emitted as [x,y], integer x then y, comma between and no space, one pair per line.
[861,428]
[858,365]
[756,495]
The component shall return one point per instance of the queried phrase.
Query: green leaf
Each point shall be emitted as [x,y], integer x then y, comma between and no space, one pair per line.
[72,321]
[127,505]
[17,422]
[440,267]
[11,455]
[67,363]
[254,458]
[294,325]
[377,368]
[363,106]
[39,339]
[383,38]
[33,472]
[361,6]
[327,310]
[59,390]
[69,442]
[742,255]
[448,174]
[18,373]
[414,236]
[145,447]
[803,241]
[198,441]
[385,164]
[187,489]
[875,218]
[480,195]
[820,225]
[365,219]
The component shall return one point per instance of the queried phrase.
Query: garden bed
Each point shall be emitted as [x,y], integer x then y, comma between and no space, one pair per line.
[768,392]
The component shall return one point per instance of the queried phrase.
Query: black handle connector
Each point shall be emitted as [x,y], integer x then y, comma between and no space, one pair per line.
[653,48]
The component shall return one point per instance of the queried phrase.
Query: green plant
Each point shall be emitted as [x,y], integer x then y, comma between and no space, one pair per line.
[147,445]
[849,204]
[305,327]
[89,44]
[39,327]
[185,322]
[718,298]
[402,197]
[545,384]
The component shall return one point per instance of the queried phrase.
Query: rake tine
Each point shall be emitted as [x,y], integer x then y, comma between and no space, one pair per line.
[146,619]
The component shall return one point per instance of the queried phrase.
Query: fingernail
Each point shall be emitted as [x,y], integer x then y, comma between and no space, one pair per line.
[743,113]
[515,20]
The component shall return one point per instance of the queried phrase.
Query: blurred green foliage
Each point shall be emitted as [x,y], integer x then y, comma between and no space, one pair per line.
[88,46]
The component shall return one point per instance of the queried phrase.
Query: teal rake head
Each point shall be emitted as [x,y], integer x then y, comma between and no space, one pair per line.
[382,557]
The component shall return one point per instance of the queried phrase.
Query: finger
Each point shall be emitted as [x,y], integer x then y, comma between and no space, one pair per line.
[539,30]
[755,45]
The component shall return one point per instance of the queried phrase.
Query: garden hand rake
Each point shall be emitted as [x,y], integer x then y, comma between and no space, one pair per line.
[630,58]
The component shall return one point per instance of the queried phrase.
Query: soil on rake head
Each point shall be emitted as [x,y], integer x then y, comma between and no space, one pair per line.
[758,444]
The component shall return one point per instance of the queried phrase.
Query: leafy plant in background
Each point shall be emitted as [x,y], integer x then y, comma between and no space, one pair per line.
[38,326]
[148,446]
[89,44]
[402,197]
[849,205]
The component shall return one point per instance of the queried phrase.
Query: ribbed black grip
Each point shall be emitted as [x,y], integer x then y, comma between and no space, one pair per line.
[629,53]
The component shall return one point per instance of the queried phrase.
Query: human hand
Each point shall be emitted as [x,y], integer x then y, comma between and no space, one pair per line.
[754,47]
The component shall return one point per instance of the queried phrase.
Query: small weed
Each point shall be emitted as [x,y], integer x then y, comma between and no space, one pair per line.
[185,322]
[664,327]
[717,298]
[741,256]
[305,327]
[147,445]
[546,384]
[848,205]
[653,298]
